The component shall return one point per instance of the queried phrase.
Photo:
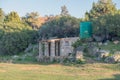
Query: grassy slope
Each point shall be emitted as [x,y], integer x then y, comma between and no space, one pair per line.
[111,46]
[97,71]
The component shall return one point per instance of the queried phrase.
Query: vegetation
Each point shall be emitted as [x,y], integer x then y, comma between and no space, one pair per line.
[64,11]
[102,7]
[78,43]
[17,33]
[108,24]
[105,18]
[97,71]
[67,25]
[111,47]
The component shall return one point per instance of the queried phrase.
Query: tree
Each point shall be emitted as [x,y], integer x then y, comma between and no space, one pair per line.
[107,24]
[13,17]
[15,36]
[60,27]
[64,11]
[32,19]
[102,7]
[2,16]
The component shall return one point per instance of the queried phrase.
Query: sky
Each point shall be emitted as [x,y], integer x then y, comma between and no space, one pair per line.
[76,8]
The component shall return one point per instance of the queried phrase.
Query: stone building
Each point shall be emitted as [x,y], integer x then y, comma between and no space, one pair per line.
[56,48]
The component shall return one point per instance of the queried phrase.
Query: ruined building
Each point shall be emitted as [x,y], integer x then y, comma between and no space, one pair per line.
[56,48]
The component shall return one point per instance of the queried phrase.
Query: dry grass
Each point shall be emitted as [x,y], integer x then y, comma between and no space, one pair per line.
[96,71]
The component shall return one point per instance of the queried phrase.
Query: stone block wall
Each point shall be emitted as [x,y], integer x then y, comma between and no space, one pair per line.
[65,46]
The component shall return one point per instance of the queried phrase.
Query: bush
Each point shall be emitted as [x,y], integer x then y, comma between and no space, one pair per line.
[80,61]
[16,38]
[79,43]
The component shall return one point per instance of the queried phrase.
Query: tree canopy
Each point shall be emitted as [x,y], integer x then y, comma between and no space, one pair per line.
[64,11]
[102,7]
[2,15]
[60,27]
[17,33]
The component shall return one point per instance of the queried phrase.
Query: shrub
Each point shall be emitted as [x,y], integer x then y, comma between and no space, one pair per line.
[78,43]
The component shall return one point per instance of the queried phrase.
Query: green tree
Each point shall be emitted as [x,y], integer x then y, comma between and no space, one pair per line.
[64,11]
[2,16]
[102,7]
[60,27]
[108,24]
[15,36]
[32,19]
[13,17]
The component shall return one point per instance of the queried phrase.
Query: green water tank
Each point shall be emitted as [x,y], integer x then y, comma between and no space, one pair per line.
[85,29]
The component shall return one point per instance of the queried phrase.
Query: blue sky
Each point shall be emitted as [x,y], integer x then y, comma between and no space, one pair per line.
[76,8]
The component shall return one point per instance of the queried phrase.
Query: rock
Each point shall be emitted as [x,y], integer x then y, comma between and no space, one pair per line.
[115,58]
[80,48]
[103,53]
[100,43]
[116,42]
[15,57]
[109,60]
[105,43]
[99,38]
[79,55]
[92,50]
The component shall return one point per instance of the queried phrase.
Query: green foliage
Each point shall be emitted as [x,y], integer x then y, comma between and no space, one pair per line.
[2,16]
[102,7]
[79,43]
[15,35]
[108,24]
[32,19]
[111,46]
[15,42]
[80,61]
[65,26]
[13,17]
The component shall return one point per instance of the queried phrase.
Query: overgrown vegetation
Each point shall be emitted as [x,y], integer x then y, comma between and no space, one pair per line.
[17,33]
[65,26]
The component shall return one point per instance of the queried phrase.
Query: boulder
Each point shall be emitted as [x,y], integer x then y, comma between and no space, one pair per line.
[99,38]
[109,60]
[115,58]
[80,48]
[92,50]
[116,42]
[79,55]
[103,53]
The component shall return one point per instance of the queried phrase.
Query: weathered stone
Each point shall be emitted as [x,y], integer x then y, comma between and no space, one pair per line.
[56,48]
[92,50]
[100,43]
[105,43]
[116,42]
[103,53]
[109,60]
[115,58]
[98,38]
[80,48]
[79,55]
